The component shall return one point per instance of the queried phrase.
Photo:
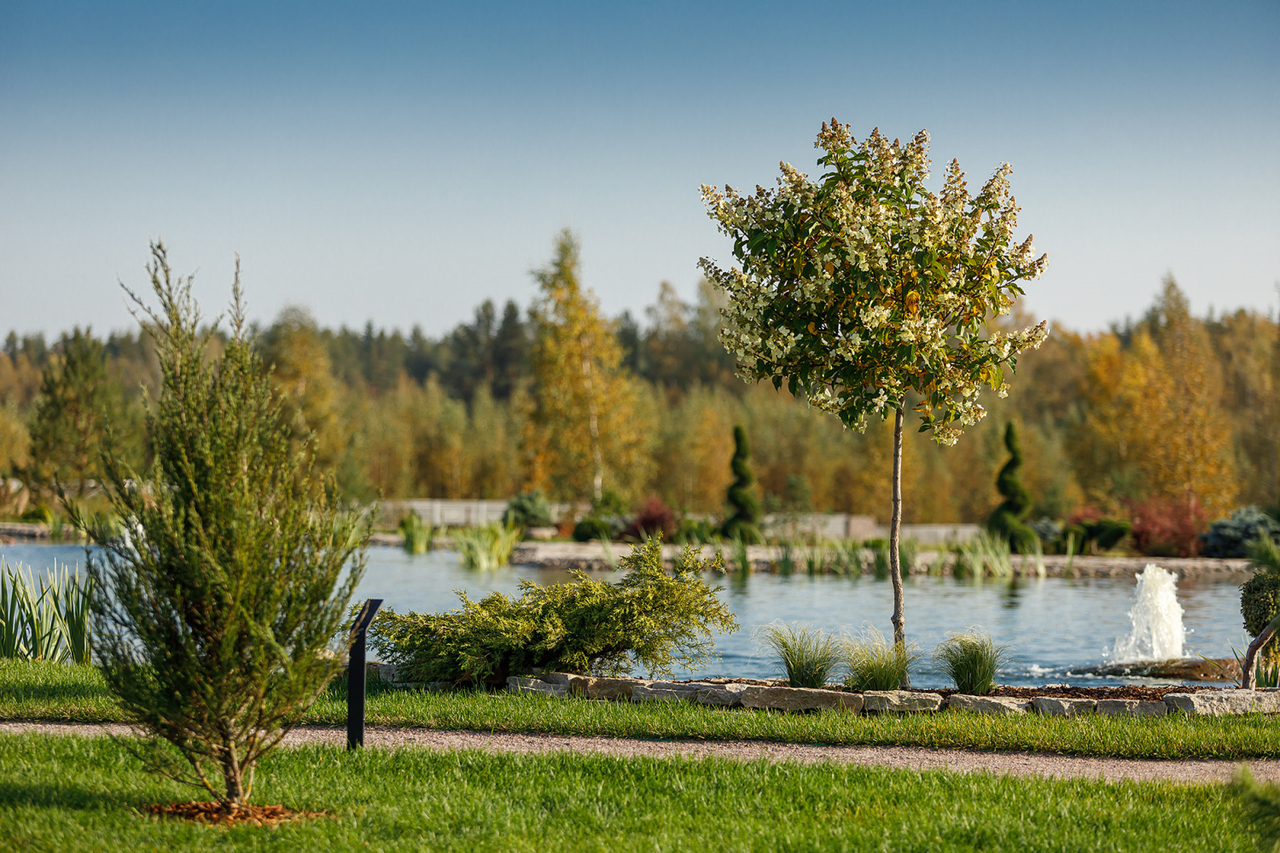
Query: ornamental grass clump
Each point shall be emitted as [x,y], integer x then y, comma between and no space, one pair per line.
[486,548]
[872,663]
[648,619]
[971,660]
[215,606]
[809,656]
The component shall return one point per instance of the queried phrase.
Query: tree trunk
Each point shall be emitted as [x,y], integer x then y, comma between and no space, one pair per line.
[895,527]
[1251,655]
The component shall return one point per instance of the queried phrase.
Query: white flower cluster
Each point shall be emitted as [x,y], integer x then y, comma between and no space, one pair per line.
[865,285]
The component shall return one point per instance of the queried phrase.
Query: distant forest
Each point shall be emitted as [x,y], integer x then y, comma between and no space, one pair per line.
[1167,413]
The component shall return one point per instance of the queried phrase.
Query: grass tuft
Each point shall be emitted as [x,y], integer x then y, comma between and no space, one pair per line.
[809,656]
[971,660]
[872,663]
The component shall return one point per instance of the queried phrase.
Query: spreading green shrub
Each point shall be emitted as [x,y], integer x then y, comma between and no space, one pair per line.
[809,656]
[695,531]
[528,509]
[1008,519]
[606,520]
[1229,537]
[592,528]
[648,619]
[971,660]
[871,663]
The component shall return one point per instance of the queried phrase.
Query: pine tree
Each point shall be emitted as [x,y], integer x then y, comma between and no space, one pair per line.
[215,608]
[77,399]
[744,522]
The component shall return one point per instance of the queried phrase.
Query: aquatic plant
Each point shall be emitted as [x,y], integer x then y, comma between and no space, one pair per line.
[983,556]
[971,659]
[419,536]
[486,547]
[808,655]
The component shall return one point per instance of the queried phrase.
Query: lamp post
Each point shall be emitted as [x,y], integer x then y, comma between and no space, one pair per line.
[356,674]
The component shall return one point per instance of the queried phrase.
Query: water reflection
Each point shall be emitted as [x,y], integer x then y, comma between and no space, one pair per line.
[1050,624]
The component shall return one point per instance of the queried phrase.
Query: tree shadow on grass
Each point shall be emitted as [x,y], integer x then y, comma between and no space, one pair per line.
[67,796]
[19,693]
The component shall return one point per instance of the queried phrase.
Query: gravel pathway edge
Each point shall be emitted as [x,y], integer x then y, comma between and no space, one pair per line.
[1024,764]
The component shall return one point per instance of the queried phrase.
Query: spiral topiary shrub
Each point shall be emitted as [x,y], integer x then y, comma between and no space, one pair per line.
[1008,519]
[744,522]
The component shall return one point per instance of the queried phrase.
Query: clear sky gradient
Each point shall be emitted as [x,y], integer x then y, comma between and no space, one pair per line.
[401,162]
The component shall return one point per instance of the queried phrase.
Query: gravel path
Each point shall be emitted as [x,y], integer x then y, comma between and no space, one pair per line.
[903,757]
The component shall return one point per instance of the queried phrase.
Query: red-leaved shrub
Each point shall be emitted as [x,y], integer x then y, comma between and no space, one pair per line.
[1168,527]
[654,517]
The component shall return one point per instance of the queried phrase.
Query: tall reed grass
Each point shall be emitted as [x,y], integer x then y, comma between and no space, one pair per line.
[984,556]
[809,656]
[419,536]
[487,547]
[49,621]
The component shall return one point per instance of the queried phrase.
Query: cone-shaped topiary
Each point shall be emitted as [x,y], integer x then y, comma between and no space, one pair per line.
[1007,520]
[744,522]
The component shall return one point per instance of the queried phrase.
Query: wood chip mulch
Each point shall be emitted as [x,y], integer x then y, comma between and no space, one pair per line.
[216,814]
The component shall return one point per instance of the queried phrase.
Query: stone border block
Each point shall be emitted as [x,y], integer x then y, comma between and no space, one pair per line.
[1058,706]
[800,699]
[519,684]
[998,706]
[1225,703]
[1131,708]
[900,702]
[668,691]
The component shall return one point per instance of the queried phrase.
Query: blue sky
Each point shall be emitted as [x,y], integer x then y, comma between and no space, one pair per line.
[401,162]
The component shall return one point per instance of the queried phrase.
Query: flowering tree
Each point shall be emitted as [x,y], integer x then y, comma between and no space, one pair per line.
[863,287]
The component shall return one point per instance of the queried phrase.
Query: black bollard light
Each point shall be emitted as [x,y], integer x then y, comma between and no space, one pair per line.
[356,674]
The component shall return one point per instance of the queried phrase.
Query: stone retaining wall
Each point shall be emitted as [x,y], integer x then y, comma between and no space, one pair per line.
[776,697]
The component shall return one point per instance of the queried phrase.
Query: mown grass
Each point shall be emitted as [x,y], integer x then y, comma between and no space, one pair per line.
[38,691]
[86,794]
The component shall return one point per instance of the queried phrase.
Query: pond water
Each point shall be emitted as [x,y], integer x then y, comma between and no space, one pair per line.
[1052,626]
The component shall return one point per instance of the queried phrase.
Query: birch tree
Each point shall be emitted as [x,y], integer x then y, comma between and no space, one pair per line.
[864,287]
[583,426]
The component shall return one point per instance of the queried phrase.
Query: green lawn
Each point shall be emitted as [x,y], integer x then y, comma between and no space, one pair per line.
[71,794]
[38,691]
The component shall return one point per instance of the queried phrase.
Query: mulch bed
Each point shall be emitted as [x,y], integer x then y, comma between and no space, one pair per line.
[216,814]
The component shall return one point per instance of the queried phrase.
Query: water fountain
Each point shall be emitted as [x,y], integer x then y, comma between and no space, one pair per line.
[1156,615]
